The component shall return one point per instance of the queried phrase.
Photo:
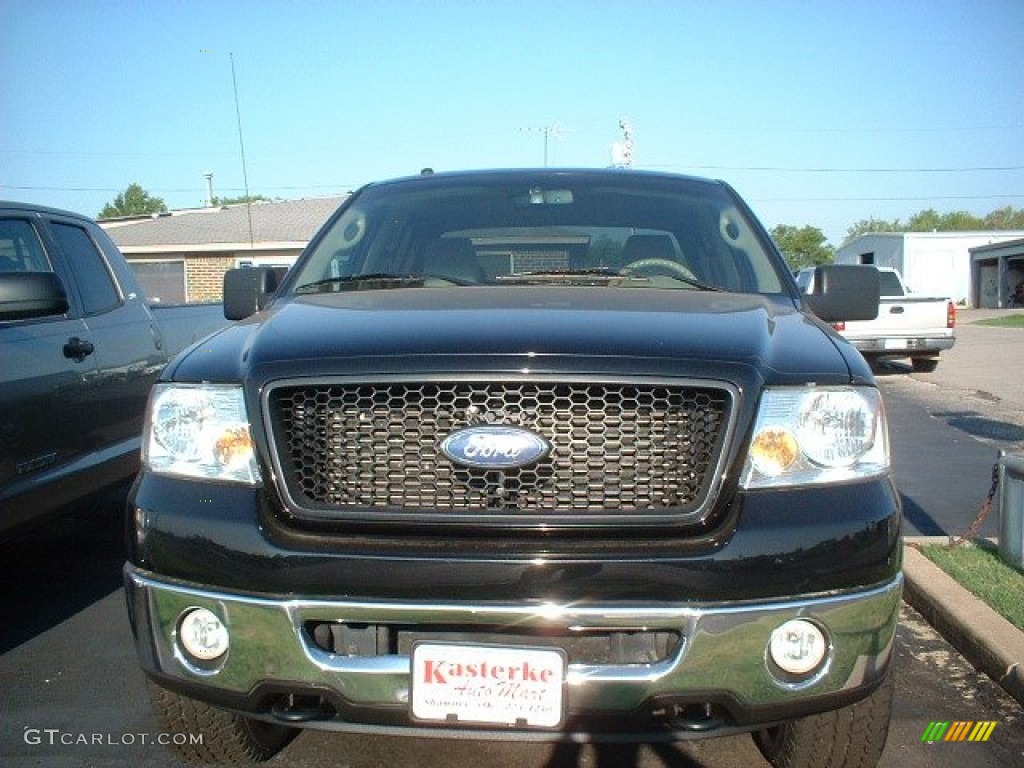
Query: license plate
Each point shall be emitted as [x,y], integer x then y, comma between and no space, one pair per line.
[483,684]
[895,343]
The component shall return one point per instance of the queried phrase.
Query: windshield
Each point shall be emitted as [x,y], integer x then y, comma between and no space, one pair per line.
[602,229]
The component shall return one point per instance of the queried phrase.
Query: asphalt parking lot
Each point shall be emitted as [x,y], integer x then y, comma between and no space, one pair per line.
[68,671]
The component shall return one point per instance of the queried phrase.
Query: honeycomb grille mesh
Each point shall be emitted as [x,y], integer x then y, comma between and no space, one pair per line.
[615,448]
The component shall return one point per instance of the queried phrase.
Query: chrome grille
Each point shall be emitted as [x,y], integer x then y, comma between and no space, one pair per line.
[633,448]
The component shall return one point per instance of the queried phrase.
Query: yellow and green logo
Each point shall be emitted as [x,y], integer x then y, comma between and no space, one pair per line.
[958,730]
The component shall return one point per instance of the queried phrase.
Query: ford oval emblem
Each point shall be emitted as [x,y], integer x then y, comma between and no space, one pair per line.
[495,447]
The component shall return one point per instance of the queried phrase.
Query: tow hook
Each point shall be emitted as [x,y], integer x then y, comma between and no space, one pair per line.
[696,718]
[299,709]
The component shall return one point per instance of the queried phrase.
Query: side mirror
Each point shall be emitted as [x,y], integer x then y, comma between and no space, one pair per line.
[247,290]
[31,294]
[844,292]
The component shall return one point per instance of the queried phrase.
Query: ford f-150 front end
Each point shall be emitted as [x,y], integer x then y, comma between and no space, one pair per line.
[541,455]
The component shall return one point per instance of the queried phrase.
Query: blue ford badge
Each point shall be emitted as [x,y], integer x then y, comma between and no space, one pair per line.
[494,447]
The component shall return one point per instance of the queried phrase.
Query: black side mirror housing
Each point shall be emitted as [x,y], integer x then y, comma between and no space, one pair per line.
[31,294]
[844,292]
[247,290]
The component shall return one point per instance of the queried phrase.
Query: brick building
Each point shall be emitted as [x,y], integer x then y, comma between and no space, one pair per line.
[181,256]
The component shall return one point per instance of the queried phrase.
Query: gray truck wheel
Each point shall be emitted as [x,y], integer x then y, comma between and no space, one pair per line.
[221,736]
[924,364]
[851,737]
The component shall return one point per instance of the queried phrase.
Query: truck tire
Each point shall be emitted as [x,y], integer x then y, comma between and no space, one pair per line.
[223,737]
[851,737]
[924,364]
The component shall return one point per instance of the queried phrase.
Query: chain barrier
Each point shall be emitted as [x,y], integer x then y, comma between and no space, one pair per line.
[972,532]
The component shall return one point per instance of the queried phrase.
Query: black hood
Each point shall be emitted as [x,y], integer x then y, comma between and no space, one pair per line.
[738,337]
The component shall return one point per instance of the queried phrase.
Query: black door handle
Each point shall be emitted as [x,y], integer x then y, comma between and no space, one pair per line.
[78,349]
[896,311]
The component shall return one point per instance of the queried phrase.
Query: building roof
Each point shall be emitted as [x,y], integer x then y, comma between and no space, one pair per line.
[1008,246]
[276,222]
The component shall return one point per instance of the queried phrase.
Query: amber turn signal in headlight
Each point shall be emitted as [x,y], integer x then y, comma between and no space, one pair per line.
[773,451]
[809,435]
[199,431]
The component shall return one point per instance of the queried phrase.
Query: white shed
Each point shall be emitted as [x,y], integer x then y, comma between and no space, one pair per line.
[936,263]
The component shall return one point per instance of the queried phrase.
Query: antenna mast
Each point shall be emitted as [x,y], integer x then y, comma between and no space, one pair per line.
[548,131]
[622,151]
[241,146]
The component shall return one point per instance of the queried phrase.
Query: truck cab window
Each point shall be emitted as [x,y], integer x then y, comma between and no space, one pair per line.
[95,283]
[20,249]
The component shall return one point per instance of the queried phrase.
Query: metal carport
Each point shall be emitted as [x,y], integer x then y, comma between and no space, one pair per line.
[996,270]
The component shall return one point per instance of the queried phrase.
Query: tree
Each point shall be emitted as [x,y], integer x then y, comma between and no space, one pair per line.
[931,220]
[240,199]
[865,226]
[1005,218]
[803,247]
[134,201]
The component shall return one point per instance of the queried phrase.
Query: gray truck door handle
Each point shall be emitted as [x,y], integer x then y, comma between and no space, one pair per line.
[78,349]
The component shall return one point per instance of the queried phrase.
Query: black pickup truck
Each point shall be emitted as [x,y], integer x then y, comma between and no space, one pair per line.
[79,350]
[546,454]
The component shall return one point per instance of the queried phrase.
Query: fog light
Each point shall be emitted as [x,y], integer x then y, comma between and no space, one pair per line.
[798,647]
[202,634]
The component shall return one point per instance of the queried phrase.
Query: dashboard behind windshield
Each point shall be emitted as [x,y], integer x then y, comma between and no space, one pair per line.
[683,234]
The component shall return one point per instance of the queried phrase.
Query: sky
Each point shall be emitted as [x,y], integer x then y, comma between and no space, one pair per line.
[819,113]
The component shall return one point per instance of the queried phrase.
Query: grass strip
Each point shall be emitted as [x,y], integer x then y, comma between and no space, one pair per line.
[979,569]
[1009,321]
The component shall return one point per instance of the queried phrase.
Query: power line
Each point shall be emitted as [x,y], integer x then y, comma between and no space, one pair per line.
[911,198]
[784,169]
[147,154]
[170,190]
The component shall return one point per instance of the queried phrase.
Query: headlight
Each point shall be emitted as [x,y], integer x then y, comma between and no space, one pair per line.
[199,431]
[817,435]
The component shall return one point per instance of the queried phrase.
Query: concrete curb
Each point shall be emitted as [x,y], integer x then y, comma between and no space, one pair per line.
[987,640]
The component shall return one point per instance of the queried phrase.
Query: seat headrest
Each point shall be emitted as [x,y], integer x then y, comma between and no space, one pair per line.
[648,247]
[454,258]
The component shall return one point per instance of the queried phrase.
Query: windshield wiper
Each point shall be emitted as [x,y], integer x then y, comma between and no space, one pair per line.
[369,282]
[591,276]
[695,283]
[597,276]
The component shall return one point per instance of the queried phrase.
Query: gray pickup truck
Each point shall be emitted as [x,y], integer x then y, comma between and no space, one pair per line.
[80,348]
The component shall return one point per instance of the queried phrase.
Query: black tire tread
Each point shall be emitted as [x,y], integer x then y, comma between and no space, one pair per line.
[851,737]
[227,738]
[924,364]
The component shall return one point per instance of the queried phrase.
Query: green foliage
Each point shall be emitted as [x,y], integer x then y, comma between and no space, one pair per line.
[240,199]
[1005,218]
[930,220]
[865,226]
[134,201]
[802,247]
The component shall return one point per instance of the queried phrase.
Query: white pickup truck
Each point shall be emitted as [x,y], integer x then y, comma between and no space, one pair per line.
[908,324]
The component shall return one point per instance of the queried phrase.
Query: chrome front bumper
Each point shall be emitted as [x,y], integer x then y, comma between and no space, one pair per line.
[722,656]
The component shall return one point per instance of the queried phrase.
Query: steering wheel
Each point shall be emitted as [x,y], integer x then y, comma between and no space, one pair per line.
[655,265]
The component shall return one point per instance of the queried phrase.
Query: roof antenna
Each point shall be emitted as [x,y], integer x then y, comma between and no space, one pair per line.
[241,146]
[622,151]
